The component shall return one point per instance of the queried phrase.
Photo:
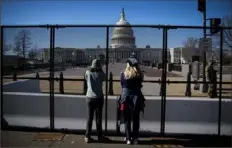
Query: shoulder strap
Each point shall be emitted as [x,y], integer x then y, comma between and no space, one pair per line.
[121,73]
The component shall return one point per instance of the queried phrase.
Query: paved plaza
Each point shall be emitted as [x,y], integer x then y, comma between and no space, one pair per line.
[116,69]
[149,89]
[32,139]
[72,116]
[78,72]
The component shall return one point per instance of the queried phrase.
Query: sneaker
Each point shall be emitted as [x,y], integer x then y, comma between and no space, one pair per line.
[135,141]
[124,139]
[88,139]
[103,138]
[128,142]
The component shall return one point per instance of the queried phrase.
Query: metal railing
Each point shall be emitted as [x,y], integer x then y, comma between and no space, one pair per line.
[163,81]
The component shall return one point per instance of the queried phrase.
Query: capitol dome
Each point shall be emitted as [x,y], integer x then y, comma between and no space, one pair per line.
[123,36]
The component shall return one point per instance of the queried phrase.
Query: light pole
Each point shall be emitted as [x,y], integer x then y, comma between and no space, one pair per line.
[114,57]
[90,59]
[73,59]
[205,85]
[133,55]
[202,8]
[214,28]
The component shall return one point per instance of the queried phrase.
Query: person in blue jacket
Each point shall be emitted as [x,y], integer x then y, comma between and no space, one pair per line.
[132,100]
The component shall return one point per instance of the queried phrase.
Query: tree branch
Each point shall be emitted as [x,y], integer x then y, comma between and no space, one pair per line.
[228,44]
[22,42]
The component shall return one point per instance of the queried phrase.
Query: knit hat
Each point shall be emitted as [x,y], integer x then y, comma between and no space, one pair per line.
[132,61]
[96,63]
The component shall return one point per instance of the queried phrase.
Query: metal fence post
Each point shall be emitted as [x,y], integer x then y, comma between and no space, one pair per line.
[84,86]
[51,104]
[111,90]
[106,84]
[15,76]
[2,73]
[61,83]
[37,75]
[213,85]
[163,81]
[161,88]
[188,85]
[220,84]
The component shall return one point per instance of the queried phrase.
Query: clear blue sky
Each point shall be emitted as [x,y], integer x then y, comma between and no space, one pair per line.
[172,12]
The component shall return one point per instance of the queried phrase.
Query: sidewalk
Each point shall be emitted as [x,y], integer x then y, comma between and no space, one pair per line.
[32,139]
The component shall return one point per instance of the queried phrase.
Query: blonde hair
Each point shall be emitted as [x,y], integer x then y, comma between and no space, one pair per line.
[132,72]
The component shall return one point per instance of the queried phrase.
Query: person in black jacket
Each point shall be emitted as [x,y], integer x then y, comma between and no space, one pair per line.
[212,77]
[132,99]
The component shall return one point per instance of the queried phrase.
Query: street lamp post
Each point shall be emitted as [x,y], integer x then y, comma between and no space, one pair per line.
[73,59]
[133,55]
[205,85]
[90,59]
[214,24]
[114,57]
[202,8]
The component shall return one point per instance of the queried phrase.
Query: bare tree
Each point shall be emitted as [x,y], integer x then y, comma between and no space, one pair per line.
[33,52]
[227,21]
[6,47]
[227,38]
[22,42]
[190,48]
[191,42]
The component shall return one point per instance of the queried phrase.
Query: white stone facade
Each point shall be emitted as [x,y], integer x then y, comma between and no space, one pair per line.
[121,48]
[123,36]
[176,55]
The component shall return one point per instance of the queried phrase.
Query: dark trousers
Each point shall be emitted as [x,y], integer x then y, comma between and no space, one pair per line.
[94,105]
[212,92]
[129,116]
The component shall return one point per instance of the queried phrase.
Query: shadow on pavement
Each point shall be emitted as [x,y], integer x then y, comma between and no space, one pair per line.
[153,139]
[147,142]
[176,142]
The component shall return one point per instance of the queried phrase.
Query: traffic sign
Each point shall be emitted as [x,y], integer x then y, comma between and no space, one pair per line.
[205,44]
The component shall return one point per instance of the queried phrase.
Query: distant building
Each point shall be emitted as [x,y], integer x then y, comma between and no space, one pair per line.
[176,56]
[184,55]
[122,45]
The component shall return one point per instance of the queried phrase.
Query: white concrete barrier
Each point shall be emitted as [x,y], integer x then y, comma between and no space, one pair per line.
[183,115]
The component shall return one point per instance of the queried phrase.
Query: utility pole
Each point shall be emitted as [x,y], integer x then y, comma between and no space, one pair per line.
[205,85]
[202,8]
[214,28]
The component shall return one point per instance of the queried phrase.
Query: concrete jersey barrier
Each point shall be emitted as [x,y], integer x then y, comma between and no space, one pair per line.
[183,115]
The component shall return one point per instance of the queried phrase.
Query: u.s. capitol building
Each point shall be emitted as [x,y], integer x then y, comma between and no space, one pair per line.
[122,46]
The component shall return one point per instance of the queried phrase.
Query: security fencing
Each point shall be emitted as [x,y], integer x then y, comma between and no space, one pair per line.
[50,61]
